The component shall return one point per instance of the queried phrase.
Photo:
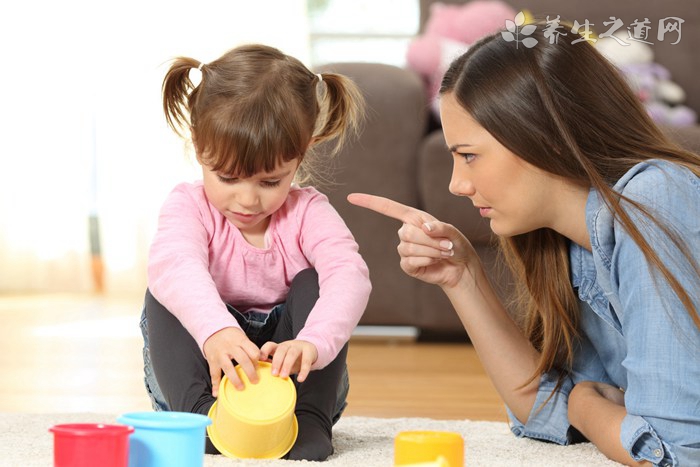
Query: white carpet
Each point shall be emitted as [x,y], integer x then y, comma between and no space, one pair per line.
[359,441]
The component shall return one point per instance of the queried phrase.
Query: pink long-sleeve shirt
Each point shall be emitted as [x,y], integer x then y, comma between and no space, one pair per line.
[199,261]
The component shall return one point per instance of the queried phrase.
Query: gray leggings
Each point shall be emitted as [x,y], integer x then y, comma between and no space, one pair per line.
[177,374]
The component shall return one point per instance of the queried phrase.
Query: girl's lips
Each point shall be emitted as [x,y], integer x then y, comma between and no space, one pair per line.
[243,217]
[484,211]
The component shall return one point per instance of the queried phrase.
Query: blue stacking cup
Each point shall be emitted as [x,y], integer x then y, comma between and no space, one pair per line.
[166,439]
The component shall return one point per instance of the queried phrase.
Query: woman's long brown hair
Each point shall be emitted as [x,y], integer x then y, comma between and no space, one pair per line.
[565,109]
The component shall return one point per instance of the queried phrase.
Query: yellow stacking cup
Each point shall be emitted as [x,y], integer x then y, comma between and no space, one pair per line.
[257,422]
[429,448]
[439,462]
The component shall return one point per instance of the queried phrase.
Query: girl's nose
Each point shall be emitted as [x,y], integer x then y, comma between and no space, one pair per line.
[248,198]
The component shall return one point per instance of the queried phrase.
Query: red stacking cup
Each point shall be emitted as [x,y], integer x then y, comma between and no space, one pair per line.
[90,445]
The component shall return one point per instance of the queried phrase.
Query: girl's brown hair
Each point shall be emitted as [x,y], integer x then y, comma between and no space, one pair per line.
[565,109]
[256,107]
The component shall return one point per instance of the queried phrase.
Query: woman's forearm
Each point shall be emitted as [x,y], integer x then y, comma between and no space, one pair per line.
[507,356]
[599,419]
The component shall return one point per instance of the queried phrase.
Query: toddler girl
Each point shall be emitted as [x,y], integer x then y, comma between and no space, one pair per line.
[245,264]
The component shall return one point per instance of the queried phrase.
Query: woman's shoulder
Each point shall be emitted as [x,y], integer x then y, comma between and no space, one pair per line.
[660,183]
[666,190]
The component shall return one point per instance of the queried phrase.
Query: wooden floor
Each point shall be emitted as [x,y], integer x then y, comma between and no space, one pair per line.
[67,353]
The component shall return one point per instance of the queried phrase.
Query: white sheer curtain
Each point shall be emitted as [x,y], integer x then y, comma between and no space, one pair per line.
[82,131]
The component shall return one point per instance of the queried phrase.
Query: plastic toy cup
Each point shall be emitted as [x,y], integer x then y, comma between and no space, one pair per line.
[172,439]
[439,462]
[416,447]
[257,422]
[90,444]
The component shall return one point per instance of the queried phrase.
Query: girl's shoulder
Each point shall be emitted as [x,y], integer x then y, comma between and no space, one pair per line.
[187,193]
[306,204]
[189,199]
[194,189]
[301,197]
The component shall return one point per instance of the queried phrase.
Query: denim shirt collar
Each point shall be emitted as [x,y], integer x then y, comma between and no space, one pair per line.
[582,265]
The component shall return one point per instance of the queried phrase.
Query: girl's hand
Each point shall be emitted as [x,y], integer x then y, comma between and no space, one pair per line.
[290,357]
[430,250]
[226,345]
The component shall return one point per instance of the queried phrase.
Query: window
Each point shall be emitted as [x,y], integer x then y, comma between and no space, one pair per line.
[362,30]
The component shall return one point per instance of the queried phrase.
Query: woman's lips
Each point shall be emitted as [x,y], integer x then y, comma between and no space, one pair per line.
[484,211]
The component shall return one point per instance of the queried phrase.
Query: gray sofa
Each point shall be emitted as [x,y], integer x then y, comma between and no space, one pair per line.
[401,154]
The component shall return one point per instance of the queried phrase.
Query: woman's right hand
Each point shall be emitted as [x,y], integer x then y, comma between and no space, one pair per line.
[506,354]
[224,346]
[430,250]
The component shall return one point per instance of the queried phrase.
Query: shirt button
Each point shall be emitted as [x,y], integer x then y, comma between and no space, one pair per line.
[657,452]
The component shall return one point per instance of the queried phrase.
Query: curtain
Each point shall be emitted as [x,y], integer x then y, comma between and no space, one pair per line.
[86,158]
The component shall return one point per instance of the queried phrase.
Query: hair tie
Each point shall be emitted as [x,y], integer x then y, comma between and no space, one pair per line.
[195,75]
[320,78]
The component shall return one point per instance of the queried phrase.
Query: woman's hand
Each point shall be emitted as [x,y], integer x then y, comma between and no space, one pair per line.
[438,253]
[226,345]
[290,357]
[430,250]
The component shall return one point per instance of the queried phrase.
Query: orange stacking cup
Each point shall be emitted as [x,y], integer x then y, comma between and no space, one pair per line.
[429,447]
[257,422]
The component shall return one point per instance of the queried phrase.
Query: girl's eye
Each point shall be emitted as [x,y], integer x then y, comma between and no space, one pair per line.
[226,179]
[271,183]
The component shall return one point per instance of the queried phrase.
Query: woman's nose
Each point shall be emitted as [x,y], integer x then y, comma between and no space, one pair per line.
[460,183]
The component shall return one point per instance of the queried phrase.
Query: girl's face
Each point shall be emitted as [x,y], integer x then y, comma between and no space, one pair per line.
[248,203]
[516,196]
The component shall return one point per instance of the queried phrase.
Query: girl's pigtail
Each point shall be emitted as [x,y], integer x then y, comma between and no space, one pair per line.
[178,94]
[342,109]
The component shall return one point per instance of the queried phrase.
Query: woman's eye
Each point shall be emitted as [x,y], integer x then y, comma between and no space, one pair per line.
[271,183]
[467,156]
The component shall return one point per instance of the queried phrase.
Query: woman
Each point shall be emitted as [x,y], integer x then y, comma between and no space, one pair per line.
[598,216]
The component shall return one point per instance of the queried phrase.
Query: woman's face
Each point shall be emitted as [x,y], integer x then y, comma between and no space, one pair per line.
[516,196]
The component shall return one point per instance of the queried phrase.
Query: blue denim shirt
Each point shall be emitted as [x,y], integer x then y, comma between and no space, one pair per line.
[635,332]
